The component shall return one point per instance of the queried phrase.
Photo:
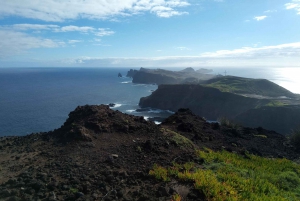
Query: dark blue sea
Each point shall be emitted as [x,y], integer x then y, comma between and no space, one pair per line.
[40,99]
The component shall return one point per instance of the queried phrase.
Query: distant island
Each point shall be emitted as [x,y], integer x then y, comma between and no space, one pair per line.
[250,102]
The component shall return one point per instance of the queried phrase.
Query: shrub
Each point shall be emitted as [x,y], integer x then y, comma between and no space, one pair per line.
[229,123]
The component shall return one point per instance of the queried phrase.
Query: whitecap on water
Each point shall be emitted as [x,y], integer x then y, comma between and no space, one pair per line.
[117,105]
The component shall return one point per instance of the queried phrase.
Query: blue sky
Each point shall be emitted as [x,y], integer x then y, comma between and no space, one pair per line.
[150,33]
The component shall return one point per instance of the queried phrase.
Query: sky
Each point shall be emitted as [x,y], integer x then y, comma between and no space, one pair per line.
[149,33]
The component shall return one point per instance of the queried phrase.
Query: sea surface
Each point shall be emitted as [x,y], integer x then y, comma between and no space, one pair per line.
[40,99]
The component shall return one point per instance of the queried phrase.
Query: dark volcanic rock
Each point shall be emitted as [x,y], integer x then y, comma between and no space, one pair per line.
[102,154]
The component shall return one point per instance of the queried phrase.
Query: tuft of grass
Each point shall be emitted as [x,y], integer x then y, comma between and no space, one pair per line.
[73,190]
[159,173]
[176,197]
[262,136]
[275,104]
[229,176]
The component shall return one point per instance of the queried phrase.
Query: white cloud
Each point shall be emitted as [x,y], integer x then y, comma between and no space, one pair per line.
[268,56]
[270,11]
[283,50]
[295,5]
[55,28]
[104,32]
[75,28]
[18,42]
[259,18]
[74,41]
[182,48]
[34,26]
[57,10]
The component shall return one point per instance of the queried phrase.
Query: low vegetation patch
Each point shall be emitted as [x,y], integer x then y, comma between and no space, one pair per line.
[229,176]
[261,136]
[275,104]
[229,123]
[295,139]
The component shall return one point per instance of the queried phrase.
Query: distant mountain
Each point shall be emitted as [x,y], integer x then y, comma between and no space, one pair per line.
[161,76]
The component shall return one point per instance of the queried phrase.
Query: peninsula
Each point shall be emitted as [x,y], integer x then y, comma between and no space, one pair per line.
[250,102]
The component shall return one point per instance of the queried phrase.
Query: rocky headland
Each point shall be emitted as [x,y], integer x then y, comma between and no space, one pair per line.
[102,154]
[250,102]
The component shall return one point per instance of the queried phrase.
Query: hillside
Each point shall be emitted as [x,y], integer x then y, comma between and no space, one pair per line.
[101,154]
[242,85]
[213,104]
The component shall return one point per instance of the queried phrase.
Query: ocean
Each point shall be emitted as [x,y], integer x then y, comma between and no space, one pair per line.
[40,99]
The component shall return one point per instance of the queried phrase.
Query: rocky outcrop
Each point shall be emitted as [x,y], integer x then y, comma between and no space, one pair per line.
[131,73]
[213,104]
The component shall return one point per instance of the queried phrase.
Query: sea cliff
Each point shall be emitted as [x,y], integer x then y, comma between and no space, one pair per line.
[213,104]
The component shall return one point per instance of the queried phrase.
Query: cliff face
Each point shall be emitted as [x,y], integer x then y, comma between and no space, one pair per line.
[280,119]
[205,101]
[212,104]
[150,78]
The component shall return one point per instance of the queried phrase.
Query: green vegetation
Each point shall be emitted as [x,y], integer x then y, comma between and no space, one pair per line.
[275,104]
[229,123]
[248,86]
[229,176]
[176,197]
[177,139]
[295,139]
[73,190]
[262,136]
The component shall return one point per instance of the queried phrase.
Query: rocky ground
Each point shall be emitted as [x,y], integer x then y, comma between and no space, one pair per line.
[102,154]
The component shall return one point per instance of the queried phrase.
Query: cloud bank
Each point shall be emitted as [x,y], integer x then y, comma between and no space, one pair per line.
[58,11]
[18,43]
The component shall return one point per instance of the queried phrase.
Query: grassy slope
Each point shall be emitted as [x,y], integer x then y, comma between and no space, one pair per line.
[229,176]
[248,86]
